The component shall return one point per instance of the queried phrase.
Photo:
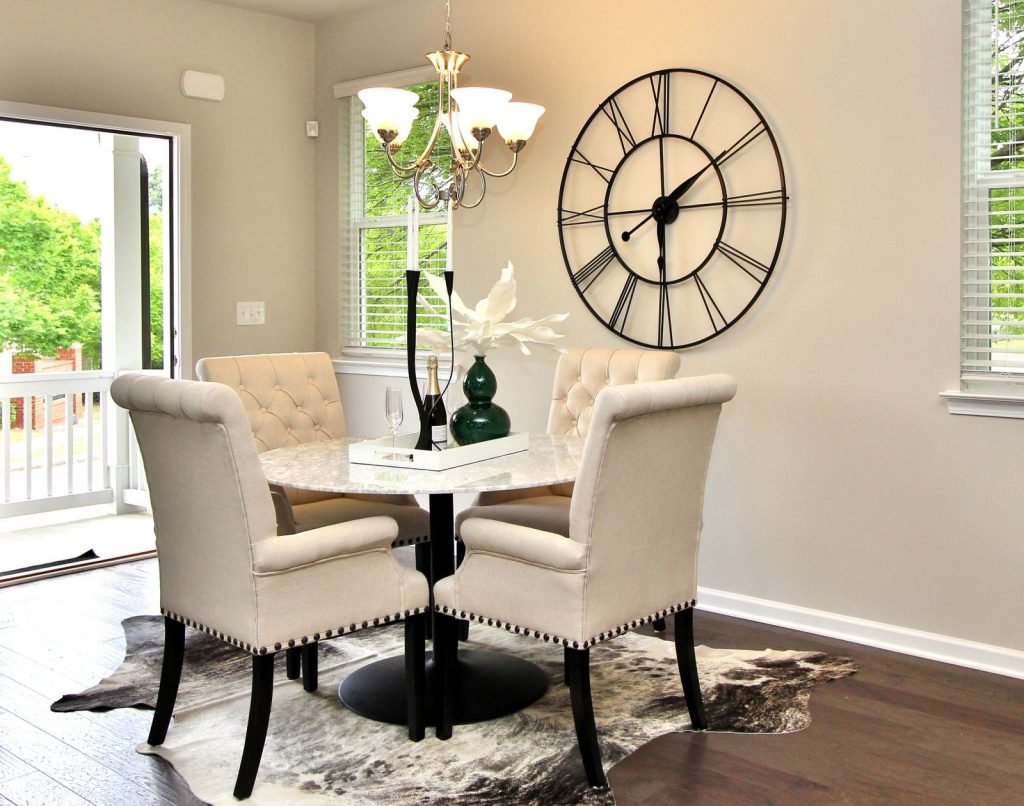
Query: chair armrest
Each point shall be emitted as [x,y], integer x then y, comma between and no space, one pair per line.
[525,544]
[285,552]
[283,511]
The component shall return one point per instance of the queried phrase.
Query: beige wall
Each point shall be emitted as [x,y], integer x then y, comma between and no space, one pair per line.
[252,165]
[839,482]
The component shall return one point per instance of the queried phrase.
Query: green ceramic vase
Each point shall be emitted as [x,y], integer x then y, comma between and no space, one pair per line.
[479,419]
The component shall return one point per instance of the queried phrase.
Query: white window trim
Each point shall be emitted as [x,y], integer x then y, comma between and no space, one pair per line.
[369,360]
[981,394]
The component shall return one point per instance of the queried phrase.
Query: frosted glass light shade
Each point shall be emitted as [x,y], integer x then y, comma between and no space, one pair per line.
[479,107]
[518,120]
[389,109]
[397,120]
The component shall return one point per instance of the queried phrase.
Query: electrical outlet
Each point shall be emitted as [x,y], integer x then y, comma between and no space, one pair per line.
[250,313]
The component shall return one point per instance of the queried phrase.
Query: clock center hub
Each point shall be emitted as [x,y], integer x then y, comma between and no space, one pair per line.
[665,210]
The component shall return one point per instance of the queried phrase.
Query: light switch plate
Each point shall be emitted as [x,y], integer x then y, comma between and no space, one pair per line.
[250,313]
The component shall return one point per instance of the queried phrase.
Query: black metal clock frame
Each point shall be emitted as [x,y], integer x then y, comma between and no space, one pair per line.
[666,208]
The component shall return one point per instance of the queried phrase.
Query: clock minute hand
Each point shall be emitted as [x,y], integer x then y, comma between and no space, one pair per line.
[676,194]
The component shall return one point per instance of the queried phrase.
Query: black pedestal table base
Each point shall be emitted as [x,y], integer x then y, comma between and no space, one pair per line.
[488,685]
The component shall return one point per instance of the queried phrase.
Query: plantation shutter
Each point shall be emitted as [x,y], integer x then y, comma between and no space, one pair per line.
[375,231]
[992,202]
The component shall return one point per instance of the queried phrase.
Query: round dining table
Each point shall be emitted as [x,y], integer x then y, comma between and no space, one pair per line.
[490,684]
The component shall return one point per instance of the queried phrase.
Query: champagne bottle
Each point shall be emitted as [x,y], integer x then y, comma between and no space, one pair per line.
[437,417]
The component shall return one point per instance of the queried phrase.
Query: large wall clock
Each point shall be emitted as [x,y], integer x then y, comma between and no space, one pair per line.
[672,208]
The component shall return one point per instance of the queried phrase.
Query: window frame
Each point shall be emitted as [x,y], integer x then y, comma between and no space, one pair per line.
[356,358]
[988,393]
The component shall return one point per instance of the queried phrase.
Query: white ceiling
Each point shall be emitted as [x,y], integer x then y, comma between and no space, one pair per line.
[306,10]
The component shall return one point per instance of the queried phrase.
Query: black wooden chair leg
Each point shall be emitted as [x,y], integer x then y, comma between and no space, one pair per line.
[565,667]
[415,673]
[687,661]
[446,647]
[170,676]
[259,719]
[578,666]
[293,662]
[423,566]
[659,625]
[309,666]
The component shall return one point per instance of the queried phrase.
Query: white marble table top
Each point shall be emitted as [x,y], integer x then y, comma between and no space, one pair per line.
[324,466]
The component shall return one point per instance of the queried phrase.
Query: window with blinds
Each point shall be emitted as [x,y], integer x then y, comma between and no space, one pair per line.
[375,232]
[992,204]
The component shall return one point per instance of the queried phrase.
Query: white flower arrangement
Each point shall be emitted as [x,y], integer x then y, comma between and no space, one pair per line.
[484,326]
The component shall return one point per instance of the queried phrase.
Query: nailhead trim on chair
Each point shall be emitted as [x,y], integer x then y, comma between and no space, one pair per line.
[291,643]
[410,541]
[604,636]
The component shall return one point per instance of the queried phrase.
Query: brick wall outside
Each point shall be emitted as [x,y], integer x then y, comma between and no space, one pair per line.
[67,360]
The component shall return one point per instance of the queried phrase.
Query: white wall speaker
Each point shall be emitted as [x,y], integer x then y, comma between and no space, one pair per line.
[208,86]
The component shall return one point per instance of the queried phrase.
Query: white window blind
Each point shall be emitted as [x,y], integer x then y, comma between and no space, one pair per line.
[375,232]
[992,202]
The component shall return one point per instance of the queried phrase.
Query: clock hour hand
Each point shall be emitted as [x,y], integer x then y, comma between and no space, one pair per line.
[676,194]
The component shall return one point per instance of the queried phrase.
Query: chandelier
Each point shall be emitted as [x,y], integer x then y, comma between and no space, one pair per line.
[469,114]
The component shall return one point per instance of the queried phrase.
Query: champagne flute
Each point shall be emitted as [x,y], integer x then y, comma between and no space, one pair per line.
[393,414]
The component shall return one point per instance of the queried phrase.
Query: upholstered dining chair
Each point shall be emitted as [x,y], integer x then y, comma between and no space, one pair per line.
[291,398]
[630,557]
[579,375]
[225,571]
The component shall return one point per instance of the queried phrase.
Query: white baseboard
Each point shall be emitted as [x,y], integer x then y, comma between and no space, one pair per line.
[944,648]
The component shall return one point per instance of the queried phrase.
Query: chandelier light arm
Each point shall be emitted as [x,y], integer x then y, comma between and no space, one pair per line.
[480,198]
[506,172]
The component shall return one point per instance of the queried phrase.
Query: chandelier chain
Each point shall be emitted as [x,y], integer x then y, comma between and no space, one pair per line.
[447,25]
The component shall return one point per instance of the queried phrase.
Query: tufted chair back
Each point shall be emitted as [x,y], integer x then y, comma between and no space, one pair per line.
[582,373]
[289,398]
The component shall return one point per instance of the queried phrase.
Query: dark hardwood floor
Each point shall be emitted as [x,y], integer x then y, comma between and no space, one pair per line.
[902,730]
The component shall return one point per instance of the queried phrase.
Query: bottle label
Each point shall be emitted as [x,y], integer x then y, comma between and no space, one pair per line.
[439,436]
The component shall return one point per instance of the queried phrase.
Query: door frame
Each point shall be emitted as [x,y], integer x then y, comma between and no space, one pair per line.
[181,189]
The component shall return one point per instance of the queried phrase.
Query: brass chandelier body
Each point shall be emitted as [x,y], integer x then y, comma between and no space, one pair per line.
[470,115]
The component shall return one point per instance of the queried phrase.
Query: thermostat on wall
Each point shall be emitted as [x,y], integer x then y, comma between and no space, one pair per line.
[208,86]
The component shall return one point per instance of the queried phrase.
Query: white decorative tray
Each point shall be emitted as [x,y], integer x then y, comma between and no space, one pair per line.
[404,454]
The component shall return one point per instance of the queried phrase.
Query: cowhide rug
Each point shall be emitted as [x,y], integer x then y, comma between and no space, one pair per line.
[318,752]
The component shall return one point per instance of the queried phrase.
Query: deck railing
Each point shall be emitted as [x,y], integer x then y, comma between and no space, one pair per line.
[54,452]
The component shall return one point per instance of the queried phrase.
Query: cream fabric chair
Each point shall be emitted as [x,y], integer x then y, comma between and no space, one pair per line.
[291,398]
[579,376]
[224,570]
[631,556]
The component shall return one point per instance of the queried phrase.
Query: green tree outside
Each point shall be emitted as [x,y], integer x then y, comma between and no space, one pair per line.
[384,246]
[49,274]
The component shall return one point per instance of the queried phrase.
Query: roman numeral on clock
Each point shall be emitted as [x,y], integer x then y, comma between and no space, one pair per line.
[573,218]
[747,263]
[664,316]
[614,114]
[660,89]
[585,277]
[748,137]
[710,305]
[621,312]
[605,173]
